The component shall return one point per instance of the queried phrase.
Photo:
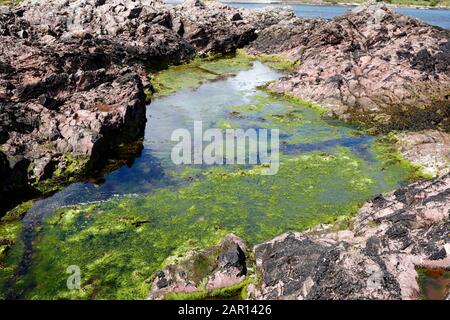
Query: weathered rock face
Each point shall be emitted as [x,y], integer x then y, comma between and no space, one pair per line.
[73,74]
[209,269]
[375,259]
[372,65]
[211,26]
[429,149]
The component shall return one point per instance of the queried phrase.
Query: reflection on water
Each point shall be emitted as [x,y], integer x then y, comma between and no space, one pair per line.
[164,115]
[211,104]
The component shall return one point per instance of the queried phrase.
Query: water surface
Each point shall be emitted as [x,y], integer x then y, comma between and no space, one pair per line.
[436,17]
[122,231]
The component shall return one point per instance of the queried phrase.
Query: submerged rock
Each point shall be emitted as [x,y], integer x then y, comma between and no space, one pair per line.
[213,268]
[376,258]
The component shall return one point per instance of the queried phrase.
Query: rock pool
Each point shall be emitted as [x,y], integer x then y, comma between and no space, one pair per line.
[122,231]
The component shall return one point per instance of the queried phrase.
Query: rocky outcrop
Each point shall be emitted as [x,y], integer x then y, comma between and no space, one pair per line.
[370,65]
[376,258]
[211,26]
[73,75]
[374,255]
[213,268]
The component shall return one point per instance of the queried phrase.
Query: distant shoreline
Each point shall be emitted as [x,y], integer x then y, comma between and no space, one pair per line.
[324,3]
[306,2]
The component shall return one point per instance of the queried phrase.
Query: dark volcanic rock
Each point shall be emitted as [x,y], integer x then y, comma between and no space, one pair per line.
[372,65]
[288,263]
[376,259]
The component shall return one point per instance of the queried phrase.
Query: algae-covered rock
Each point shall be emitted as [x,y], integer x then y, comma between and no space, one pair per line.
[203,272]
[11,251]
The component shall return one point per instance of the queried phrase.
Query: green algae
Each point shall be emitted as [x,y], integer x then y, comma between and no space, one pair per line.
[224,124]
[9,231]
[11,251]
[297,118]
[186,172]
[74,169]
[234,292]
[275,61]
[18,212]
[391,159]
[199,70]
[9,2]
[295,99]
[11,245]
[117,255]
[120,244]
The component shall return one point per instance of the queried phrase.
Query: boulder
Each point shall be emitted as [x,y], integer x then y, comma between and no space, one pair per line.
[430,149]
[205,270]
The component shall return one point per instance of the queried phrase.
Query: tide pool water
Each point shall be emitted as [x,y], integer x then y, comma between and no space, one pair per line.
[119,233]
